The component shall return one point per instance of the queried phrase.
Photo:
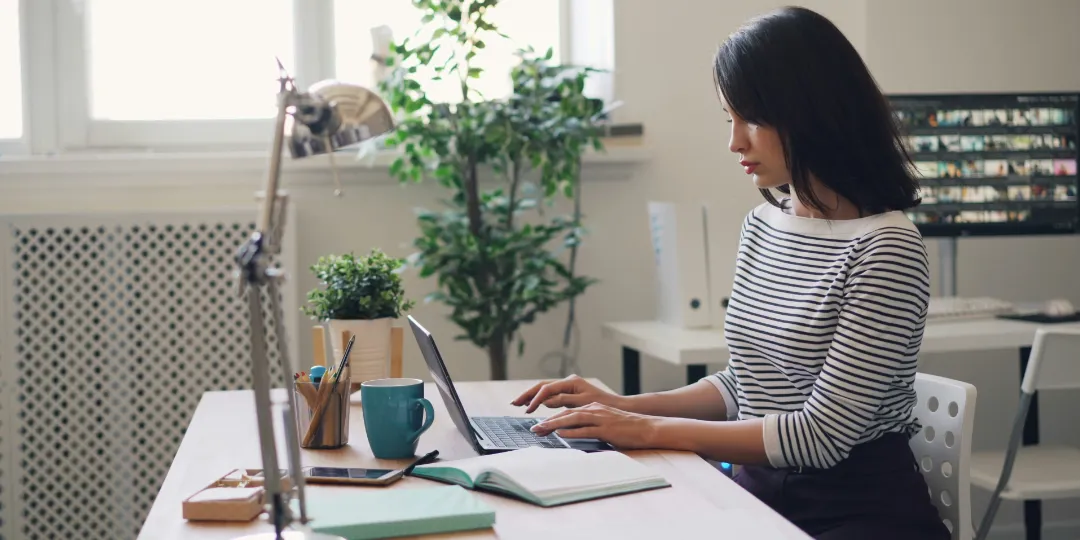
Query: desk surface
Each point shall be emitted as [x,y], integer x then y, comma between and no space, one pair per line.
[702,502]
[707,346]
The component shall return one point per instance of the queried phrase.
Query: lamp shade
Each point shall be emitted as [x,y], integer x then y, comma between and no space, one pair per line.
[334,115]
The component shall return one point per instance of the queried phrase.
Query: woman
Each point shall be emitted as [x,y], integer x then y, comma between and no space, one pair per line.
[827,308]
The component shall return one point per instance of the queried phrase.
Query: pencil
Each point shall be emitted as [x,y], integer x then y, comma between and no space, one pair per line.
[323,396]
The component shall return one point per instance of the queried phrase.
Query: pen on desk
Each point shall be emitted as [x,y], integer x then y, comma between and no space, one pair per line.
[344,359]
[427,458]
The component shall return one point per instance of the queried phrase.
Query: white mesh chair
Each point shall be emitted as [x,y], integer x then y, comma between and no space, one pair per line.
[1036,472]
[946,410]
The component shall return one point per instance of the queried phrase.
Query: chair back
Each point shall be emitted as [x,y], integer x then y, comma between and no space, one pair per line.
[1054,363]
[946,411]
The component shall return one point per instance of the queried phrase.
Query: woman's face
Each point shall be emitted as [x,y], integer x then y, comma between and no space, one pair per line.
[760,152]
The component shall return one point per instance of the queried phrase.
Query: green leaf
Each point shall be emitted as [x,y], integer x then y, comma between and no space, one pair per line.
[443,171]
[396,166]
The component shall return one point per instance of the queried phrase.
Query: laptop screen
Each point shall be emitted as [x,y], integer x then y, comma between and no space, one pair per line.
[441,376]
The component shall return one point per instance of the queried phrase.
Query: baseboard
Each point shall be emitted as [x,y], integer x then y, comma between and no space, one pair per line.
[1052,530]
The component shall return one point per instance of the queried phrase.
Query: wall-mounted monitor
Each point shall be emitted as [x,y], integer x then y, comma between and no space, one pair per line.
[993,164]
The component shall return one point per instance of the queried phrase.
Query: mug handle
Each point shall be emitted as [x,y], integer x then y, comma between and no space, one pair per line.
[429,417]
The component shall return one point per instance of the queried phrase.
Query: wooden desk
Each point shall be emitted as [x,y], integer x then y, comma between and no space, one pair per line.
[701,503]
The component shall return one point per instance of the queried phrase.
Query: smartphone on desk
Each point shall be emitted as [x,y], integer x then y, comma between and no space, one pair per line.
[352,475]
[363,476]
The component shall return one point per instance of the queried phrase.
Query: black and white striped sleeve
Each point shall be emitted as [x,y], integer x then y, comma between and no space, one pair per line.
[877,338]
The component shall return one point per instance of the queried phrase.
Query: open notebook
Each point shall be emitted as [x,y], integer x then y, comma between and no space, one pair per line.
[547,476]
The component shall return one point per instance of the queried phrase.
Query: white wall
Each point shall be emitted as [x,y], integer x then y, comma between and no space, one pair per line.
[663,60]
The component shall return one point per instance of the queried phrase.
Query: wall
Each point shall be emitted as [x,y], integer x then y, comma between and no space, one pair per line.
[663,59]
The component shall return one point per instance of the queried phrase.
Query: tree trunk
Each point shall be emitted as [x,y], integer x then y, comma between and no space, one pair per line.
[472,196]
[497,356]
[569,363]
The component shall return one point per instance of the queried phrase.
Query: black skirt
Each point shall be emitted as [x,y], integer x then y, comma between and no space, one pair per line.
[877,493]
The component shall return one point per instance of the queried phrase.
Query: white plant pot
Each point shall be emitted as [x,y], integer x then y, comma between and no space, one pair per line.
[369,358]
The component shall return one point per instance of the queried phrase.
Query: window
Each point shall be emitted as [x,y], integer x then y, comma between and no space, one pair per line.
[200,75]
[11,117]
[188,60]
[535,23]
[160,74]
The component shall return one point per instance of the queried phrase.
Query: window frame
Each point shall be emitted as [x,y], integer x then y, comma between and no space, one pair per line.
[77,131]
[55,72]
[19,145]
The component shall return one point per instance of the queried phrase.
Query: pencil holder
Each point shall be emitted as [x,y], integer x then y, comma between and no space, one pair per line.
[322,414]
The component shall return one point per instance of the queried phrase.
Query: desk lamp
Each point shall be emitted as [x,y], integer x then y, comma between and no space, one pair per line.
[329,116]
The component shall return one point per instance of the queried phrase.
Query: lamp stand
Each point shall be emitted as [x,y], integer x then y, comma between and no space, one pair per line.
[257,279]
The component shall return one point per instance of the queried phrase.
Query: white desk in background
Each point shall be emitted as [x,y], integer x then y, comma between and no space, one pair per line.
[697,347]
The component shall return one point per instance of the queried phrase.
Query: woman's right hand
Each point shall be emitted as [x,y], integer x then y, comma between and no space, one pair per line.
[573,391]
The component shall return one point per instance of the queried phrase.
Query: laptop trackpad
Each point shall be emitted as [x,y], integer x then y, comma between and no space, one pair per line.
[588,445]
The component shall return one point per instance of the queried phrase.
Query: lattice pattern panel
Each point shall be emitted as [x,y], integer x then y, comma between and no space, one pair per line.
[119,327]
[6,437]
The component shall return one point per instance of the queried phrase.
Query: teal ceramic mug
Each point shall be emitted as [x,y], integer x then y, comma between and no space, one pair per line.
[395,415]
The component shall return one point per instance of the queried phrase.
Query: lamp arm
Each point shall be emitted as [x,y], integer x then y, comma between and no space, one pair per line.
[318,126]
[256,277]
[285,99]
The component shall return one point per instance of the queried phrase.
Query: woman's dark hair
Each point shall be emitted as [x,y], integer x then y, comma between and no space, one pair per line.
[794,71]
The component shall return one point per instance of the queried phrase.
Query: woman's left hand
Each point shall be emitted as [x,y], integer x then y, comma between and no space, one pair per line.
[618,428]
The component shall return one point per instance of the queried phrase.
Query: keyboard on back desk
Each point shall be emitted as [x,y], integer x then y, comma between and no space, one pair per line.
[514,432]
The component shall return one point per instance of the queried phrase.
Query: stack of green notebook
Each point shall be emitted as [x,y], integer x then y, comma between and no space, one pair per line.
[362,513]
[547,476]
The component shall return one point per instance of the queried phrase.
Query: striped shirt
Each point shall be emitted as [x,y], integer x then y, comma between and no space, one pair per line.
[824,327]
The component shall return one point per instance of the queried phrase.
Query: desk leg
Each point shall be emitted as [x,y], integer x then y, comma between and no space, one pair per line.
[694,373]
[631,371]
[1032,509]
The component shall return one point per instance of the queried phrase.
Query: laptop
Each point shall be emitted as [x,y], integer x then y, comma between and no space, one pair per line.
[489,434]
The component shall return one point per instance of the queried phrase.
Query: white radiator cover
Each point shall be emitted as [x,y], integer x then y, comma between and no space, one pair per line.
[111,328]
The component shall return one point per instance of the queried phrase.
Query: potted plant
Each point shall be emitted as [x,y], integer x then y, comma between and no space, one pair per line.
[361,295]
[500,256]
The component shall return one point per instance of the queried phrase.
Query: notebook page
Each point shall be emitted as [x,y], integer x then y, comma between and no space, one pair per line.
[540,458]
[584,472]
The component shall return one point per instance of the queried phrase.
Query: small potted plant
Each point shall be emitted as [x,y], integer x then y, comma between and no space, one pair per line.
[360,295]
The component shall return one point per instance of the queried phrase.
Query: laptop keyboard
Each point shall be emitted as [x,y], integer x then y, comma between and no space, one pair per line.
[512,432]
